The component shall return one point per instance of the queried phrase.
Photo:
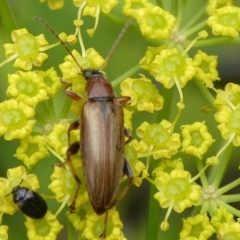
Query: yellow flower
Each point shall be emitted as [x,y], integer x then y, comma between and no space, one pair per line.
[196,139]
[51,80]
[45,228]
[206,65]
[91,59]
[58,138]
[15,119]
[225,21]
[54,4]
[161,142]
[168,66]
[143,93]
[197,227]
[95,223]
[26,49]
[31,150]
[155,22]
[27,87]
[176,190]
[3,232]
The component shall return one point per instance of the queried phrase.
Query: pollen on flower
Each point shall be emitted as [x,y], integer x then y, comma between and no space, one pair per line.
[47,227]
[168,64]
[197,227]
[177,190]
[196,139]
[64,185]
[27,87]
[206,67]
[215,4]
[230,96]
[26,49]
[167,166]
[51,80]
[143,93]
[220,216]
[229,126]
[156,23]
[15,119]
[230,230]
[133,8]
[159,138]
[225,21]
[95,223]
[31,150]
[58,138]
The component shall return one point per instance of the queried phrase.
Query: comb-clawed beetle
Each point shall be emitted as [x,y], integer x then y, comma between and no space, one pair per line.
[102,138]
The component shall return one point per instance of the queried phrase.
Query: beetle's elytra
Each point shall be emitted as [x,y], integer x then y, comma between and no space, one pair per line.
[102,139]
[29,202]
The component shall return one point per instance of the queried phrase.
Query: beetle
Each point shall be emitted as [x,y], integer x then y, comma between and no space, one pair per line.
[102,139]
[29,202]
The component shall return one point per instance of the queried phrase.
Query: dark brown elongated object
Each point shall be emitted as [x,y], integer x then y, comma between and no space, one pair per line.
[102,138]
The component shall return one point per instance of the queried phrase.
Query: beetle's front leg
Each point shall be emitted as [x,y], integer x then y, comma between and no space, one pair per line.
[123,100]
[73,95]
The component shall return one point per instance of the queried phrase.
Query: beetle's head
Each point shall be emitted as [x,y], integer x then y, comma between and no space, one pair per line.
[89,73]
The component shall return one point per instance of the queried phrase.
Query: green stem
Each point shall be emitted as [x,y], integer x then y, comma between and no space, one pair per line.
[153,220]
[196,28]
[180,12]
[51,110]
[120,21]
[216,173]
[202,174]
[231,209]
[205,92]
[214,42]
[194,19]
[66,108]
[230,198]
[127,74]
[174,8]
[228,187]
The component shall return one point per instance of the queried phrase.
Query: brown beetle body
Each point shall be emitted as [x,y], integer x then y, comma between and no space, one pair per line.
[102,142]
[102,138]
[102,150]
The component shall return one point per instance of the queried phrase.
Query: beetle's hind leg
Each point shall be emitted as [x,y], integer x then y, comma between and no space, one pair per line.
[128,172]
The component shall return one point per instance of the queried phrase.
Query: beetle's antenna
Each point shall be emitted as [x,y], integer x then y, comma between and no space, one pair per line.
[121,34]
[59,39]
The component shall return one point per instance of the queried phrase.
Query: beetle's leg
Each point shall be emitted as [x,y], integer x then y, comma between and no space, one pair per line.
[73,126]
[72,150]
[128,172]
[123,100]
[103,234]
[73,95]
[128,135]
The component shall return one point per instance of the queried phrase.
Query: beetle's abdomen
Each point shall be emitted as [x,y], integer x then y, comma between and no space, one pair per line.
[102,151]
